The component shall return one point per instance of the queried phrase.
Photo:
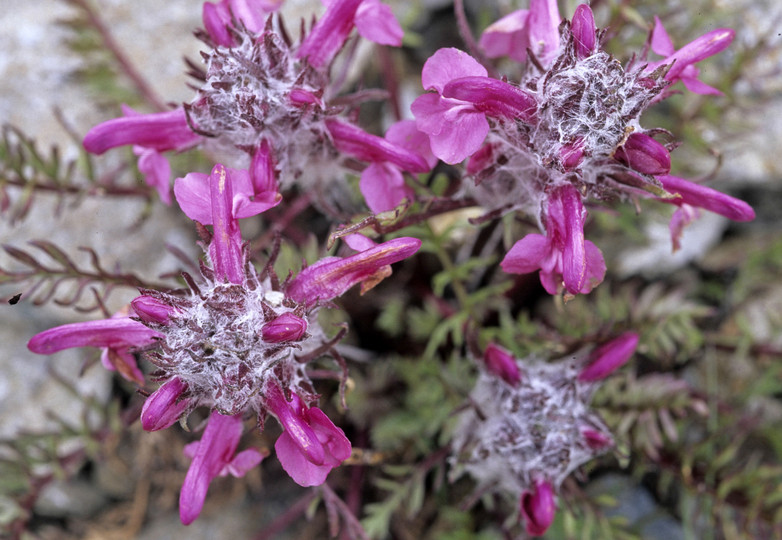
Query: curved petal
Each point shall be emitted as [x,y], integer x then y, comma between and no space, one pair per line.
[383,187]
[527,255]
[448,64]
[376,22]
[192,194]
[456,130]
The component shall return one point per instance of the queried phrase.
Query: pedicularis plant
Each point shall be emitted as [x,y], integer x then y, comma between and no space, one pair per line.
[453,385]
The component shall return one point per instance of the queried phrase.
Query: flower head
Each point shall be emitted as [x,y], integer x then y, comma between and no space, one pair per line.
[531,425]
[568,131]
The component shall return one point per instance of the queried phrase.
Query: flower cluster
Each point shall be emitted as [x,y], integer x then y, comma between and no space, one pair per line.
[568,131]
[530,424]
[259,92]
[236,342]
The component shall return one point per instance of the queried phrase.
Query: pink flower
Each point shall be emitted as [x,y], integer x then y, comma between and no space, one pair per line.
[538,507]
[156,170]
[253,191]
[116,336]
[609,357]
[333,276]
[213,456]
[683,61]
[692,196]
[164,406]
[535,29]
[502,364]
[562,255]
[311,444]
[157,131]
[251,13]
[373,20]
[382,183]
[454,117]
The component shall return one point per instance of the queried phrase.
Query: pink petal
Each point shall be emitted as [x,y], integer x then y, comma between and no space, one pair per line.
[493,97]
[192,194]
[406,134]
[376,22]
[661,41]
[301,470]
[455,128]
[595,267]
[215,450]
[325,40]
[383,187]
[448,64]
[156,170]
[682,217]
[506,36]
[122,361]
[365,146]
[543,28]
[526,255]
[292,415]
[216,19]
[243,462]
[574,263]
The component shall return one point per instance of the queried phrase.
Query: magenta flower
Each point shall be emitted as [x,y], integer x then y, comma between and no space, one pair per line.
[538,508]
[683,61]
[501,363]
[609,357]
[535,29]
[311,444]
[252,14]
[213,456]
[455,116]
[333,276]
[157,131]
[562,255]
[691,196]
[250,195]
[382,183]
[456,128]
[117,337]
[373,20]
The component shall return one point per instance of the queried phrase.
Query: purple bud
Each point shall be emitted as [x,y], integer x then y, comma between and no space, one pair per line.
[493,97]
[163,407]
[584,31]
[286,327]
[151,310]
[501,363]
[609,357]
[596,440]
[538,507]
[643,154]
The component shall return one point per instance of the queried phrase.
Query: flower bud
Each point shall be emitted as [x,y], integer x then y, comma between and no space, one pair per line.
[151,310]
[643,154]
[161,409]
[499,362]
[286,327]
[538,507]
[609,357]
[596,440]
[584,31]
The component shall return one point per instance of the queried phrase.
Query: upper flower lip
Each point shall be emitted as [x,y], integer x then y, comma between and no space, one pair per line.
[114,333]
